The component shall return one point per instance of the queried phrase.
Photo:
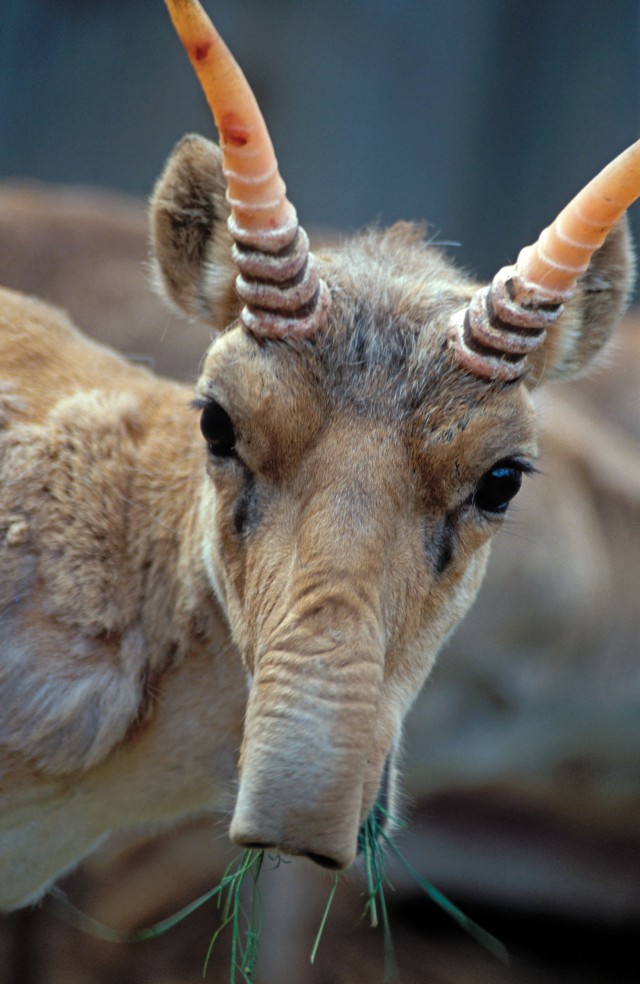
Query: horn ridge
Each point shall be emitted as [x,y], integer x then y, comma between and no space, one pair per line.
[489,330]
[492,365]
[303,323]
[272,239]
[280,267]
[524,300]
[493,329]
[290,296]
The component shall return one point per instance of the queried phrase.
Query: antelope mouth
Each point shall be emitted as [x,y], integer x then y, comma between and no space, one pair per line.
[324,850]
[312,770]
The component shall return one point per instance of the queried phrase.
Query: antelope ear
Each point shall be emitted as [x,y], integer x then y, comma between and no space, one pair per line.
[190,241]
[600,299]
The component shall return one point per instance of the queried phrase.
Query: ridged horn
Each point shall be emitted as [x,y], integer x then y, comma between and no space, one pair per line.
[278,280]
[506,321]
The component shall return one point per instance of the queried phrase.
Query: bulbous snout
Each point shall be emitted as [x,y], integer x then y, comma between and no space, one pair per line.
[324,844]
[295,828]
[312,760]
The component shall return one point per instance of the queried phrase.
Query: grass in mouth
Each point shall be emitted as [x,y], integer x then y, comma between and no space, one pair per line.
[370,842]
[246,925]
[245,921]
[245,916]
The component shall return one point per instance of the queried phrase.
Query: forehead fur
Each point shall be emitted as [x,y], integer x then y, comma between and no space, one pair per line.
[385,346]
[383,352]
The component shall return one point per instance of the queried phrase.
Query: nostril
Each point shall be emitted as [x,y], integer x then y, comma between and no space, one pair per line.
[324,861]
[256,845]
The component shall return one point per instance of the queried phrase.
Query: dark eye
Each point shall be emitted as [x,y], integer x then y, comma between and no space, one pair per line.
[217,430]
[497,487]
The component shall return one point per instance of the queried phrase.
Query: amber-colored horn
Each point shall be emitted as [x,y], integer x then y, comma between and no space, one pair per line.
[550,267]
[507,320]
[278,280]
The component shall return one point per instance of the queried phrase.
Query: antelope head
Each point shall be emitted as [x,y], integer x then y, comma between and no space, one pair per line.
[367,419]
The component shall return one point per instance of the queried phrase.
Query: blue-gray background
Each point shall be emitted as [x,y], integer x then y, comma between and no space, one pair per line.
[482,116]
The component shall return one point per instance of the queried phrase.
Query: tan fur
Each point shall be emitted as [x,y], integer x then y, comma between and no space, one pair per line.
[143,580]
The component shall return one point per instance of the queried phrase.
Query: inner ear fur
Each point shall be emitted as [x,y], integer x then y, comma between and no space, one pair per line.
[190,242]
[600,299]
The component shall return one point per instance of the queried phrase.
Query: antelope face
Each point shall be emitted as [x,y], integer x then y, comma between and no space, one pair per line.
[353,512]
[368,421]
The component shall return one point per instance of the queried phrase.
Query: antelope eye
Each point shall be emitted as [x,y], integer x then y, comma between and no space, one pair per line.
[497,487]
[217,430]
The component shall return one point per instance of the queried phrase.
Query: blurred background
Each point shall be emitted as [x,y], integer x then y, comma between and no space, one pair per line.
[481,116]
[522,765]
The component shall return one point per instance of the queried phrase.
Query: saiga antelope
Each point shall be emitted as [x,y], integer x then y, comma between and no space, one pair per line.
[238,615]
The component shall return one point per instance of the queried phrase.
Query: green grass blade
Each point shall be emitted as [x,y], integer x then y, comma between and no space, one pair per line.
[245,938]
[254,928]
[68,913]
[368,844]
[236,935]
[212,943]
[373,856]
[323,921]
[247,925]
[390,974]
[486,939]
